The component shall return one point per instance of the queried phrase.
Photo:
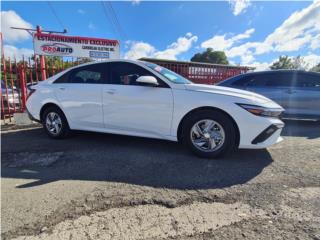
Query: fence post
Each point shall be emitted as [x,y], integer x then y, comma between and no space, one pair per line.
[42,60]
[12,84]
[6,87]
[23,87]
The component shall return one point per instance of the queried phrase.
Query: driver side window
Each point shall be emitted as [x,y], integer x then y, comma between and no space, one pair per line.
[124,73]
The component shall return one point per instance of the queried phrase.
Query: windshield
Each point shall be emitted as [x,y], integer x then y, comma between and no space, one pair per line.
[230,80]
[171,76]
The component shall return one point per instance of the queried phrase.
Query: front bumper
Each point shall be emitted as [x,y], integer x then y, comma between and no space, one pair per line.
[267,133]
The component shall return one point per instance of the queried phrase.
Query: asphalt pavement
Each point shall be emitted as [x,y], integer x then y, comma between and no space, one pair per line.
[103,186]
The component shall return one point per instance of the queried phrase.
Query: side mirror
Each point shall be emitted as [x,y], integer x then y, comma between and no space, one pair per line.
[148,80]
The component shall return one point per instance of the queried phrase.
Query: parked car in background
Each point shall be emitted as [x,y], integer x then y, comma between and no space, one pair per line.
[298,92]
[10,98]
[143,99]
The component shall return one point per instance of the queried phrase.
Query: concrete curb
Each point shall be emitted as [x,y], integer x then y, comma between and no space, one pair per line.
[22,119]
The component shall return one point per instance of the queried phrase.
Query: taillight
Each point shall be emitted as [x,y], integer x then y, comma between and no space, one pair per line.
[30,93]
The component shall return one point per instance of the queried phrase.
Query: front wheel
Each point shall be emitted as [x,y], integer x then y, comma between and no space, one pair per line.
[209,134]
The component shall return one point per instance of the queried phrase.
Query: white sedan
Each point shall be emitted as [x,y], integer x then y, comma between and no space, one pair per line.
[143,99]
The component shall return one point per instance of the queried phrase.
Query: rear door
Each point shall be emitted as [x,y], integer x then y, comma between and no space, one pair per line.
[302,98]
[80,95]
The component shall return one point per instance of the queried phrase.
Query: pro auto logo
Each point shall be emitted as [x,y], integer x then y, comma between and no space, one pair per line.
[56,48]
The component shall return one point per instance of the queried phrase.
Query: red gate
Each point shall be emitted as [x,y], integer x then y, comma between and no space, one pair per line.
[204,73]
[18,76]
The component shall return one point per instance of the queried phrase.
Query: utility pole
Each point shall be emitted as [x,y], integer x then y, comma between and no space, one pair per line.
[39,30]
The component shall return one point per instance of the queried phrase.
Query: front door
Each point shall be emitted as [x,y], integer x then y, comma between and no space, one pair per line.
[135,109]
[263,83]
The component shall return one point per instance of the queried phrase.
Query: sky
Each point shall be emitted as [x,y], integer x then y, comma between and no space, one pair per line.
[252,33]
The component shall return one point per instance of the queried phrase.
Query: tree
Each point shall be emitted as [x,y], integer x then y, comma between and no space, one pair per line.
[299,63]
[316,68]
[210,56]
[284,62]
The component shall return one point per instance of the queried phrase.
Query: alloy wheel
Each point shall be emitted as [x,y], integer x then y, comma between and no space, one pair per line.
[53,123]
[207,135]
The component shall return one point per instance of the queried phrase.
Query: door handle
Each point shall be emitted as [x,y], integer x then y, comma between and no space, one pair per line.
[62,88]
[110,91]
[290,91]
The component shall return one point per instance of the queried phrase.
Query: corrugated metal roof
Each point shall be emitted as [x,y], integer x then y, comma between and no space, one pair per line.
[189,62]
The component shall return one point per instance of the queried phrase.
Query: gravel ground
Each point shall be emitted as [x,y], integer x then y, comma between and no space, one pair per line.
[100,186]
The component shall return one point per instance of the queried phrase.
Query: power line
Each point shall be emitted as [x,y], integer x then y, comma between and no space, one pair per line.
[56,15]
[105,11]
[112,18]
[116,20]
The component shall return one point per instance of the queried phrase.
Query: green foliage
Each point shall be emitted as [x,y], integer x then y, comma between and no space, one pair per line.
[211,56]
[316,68]
[284,62]
[297,63]
[53,66]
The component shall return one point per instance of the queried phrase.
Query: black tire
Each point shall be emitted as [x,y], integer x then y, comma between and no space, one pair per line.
[65,130]
[229,144]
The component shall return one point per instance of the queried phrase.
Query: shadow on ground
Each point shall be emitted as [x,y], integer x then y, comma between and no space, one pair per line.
[112,158]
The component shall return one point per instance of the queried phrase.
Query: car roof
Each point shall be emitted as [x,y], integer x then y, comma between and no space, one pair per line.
[280,71]
[107,61]
[234,78]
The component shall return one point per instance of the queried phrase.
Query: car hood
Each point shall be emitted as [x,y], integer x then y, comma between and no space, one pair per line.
[227,91]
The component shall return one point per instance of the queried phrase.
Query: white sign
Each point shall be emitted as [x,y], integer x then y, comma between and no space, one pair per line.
[69,46]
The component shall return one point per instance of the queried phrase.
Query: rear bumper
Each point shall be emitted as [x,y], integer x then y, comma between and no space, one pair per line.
[31,117]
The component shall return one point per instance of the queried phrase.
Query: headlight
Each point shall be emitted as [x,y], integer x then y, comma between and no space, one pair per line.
[262,111]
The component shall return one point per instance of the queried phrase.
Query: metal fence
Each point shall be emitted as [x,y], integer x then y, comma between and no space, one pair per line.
[18,76]
[204,73]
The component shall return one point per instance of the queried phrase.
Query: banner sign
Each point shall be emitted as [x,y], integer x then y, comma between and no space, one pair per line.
[69,46]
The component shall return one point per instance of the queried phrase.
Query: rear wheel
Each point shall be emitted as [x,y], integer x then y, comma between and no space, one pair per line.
[209,133]
[55,123]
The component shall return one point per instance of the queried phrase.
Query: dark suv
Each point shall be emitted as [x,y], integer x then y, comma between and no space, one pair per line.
[298,92]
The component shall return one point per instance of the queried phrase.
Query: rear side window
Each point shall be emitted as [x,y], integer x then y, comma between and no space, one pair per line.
[288,79]
[91,74]
[270,79]
[86,76]
[63,79]
[308,80]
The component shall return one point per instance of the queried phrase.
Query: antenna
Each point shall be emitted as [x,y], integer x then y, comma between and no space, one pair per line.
[31,31]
